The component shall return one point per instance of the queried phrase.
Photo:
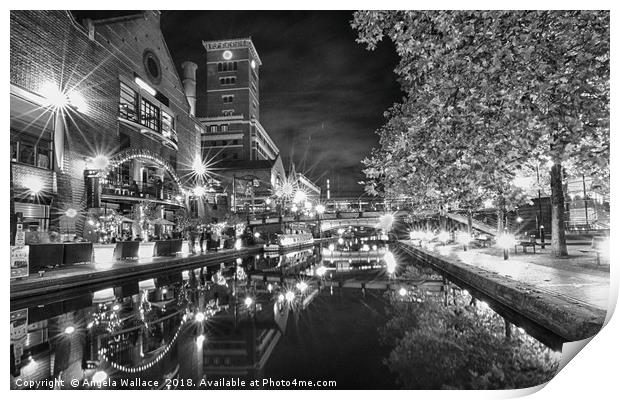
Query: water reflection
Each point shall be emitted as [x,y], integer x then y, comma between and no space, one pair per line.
[247,318]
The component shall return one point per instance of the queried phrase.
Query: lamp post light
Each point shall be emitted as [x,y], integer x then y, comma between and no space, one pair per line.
[505,241]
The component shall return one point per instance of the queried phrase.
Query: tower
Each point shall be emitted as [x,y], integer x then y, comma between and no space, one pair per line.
[230,108]
[232,79]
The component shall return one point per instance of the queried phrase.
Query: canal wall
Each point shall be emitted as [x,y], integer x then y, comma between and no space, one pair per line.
[569,319]
[88,274]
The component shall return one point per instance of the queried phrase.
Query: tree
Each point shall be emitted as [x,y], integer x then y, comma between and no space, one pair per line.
[484,98]
[453,341]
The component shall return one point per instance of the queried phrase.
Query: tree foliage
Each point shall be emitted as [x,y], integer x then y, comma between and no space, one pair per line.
[458,344]
[490,96]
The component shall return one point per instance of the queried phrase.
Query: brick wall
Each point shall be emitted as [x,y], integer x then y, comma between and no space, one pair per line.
[49,46]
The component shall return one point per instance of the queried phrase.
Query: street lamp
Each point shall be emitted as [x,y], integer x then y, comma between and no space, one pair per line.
[505,241]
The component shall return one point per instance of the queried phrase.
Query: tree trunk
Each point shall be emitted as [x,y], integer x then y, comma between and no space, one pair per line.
[470,223]
[501,215]
[558,237]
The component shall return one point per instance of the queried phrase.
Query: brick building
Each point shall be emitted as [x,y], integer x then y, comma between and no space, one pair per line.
[99,120]
[234,141]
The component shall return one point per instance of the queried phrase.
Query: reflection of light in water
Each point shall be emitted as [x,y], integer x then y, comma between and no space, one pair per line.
[99,376]
[302,286]
[390,262]
[200,340]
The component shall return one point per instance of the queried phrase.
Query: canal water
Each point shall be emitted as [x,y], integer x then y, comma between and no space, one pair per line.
[311,318]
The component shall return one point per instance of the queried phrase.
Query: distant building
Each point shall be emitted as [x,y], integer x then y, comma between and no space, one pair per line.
[312,191]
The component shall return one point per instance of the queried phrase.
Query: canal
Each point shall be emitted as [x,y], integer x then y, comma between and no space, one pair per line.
[349,315]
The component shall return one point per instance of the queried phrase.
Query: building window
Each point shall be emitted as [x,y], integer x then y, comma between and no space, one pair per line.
[167,124]
[43,154]
[128,103]
[31,151]
[212,128]
[228,80]
[235,142]
[228,98]
[26,153]
[13,150]
[224,128]
[228,113]
[227,66]
[149,115]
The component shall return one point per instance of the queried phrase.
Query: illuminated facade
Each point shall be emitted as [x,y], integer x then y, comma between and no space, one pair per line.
[100,121]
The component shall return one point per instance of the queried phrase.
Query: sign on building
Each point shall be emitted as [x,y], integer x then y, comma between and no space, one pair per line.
[19,261]
[19,331]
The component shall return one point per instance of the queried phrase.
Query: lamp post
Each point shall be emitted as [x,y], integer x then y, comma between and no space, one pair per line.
[540,215]
[320,209]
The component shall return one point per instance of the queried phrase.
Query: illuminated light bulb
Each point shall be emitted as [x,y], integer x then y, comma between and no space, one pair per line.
[199,317]
[280,297]
[290,296]
[199,191]
[34,184]
[116,307]
[101,162]
[270,287]
[402,291]
[443,236]
[302,286]
[69,330]
[248,301]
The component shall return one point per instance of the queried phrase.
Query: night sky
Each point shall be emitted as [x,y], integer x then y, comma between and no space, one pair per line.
[322,95]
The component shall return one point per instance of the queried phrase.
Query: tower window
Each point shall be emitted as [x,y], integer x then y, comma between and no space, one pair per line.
[227,66]
[228,80]
[228,98]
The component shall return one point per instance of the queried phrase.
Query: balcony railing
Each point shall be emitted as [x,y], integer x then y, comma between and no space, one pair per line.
[130,116]
[141,190]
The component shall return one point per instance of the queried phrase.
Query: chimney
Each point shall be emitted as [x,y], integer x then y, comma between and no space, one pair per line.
[189,84]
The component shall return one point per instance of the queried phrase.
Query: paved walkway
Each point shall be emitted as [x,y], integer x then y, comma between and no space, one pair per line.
[561,276]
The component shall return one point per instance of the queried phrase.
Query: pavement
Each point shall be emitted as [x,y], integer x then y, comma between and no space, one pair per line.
[576,277]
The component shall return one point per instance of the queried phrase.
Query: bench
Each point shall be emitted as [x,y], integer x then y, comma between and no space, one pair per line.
[525,245]
[483,240]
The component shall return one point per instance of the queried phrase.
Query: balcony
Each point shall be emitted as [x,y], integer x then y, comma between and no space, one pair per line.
[164,131]
[140,191]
